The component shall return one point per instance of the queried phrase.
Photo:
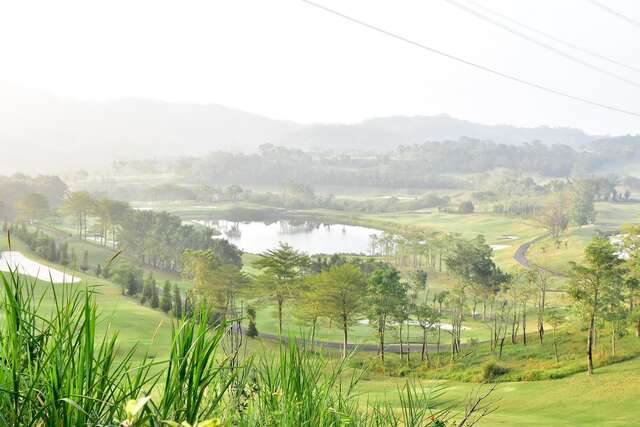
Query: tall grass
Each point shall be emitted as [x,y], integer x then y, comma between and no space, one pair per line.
[56,371]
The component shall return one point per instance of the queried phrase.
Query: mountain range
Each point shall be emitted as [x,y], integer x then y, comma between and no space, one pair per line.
[40,132]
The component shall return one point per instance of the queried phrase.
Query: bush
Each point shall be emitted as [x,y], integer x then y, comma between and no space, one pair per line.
[491,370]
[466,207]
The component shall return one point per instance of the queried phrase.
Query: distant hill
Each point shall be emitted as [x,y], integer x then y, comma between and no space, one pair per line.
[390,132]
[40,132]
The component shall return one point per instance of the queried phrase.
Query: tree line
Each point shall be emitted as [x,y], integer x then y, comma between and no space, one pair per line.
[157,239]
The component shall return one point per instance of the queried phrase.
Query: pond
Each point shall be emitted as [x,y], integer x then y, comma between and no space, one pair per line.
[306,236]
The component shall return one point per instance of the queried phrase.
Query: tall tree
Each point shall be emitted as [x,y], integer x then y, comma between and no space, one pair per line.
[308,307]
[217,285]
[84,266]
[155,299]
[384,293]
[177,302]
[165,301]
[78,204]
[428,318]
[593,286]
[282,268]
[342,296]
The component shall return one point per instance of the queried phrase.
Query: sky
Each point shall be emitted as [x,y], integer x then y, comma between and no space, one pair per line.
[286,59]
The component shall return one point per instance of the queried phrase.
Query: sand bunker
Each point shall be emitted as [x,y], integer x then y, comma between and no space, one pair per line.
[498,247]
[16,261]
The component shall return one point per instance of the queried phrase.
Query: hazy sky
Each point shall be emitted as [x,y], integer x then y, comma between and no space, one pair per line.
[285,59]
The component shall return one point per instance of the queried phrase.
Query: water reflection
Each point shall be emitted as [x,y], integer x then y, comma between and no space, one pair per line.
[307,236]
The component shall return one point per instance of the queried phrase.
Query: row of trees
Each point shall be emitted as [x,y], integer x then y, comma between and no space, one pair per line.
[166,298]
[158,239]
[344,292]
[48,248]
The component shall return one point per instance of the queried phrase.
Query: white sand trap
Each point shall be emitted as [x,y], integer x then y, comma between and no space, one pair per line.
[14,260]
[499,247]
[507,237]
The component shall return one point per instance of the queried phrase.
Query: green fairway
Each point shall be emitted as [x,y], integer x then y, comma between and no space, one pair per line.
[136,324]
[609,217]
[609,398]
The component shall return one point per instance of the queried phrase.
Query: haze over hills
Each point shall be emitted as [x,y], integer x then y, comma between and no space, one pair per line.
[43,132]
[390,132]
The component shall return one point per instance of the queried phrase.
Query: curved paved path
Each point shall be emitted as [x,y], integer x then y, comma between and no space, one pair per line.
[521,257]
[368,347]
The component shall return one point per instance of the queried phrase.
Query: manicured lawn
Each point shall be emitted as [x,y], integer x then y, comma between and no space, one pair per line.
[609,216]
[608,398]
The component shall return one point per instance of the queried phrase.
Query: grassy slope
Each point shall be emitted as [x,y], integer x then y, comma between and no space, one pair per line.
[608,398]
[610,216]
[149,329]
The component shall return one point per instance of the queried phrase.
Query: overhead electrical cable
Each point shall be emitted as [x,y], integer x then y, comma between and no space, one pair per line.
[541,44]
[470,63]
[615,13]
[556,39]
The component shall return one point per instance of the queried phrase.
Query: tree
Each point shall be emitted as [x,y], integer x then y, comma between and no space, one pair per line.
[32,206]
[342,295]
[556,318]
[427,318]
[308,307]
[466,207]
[470,262]
[216,285]
[526,293]
[78,204]
[419,281]
[252,330]
[177,302]
[384,293]
[155,300]
[85,262]
[74,259]
[98,270]
[147,288]
[554,217]
[282,268]
[127,276]
[594,285]
[165,301]
[64,254]
[440,299]
[581,196]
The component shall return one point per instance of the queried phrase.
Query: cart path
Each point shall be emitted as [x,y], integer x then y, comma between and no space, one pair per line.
[521,257]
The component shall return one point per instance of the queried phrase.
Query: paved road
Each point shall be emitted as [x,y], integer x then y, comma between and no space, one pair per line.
[368,347]
[521,257]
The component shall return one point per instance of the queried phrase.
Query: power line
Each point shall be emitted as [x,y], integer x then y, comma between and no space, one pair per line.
[615,13]
[541,44]
[556,39]
[469,63]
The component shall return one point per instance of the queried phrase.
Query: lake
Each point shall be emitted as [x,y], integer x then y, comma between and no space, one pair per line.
[306,236]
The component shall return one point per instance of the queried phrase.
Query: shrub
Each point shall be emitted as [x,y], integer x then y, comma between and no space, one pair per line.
[491,370]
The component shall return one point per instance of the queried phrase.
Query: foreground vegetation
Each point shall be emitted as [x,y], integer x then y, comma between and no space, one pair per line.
[57,371]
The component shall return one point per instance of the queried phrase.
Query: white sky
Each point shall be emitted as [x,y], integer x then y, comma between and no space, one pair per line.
[285,59]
